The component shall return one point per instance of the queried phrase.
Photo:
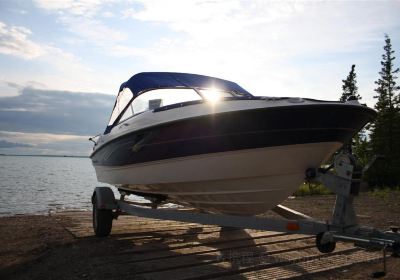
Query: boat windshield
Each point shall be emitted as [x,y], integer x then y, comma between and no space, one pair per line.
[123,98]
[161,97]
[214,95]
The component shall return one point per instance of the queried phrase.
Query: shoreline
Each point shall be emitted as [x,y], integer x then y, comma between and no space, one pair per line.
[57,156]
[45,213]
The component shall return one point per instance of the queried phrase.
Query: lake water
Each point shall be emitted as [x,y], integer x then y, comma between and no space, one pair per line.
[32,185]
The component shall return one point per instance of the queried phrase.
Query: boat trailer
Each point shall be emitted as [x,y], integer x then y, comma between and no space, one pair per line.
[344,182]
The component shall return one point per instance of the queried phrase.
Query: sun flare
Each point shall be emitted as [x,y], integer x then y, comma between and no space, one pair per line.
[212,95]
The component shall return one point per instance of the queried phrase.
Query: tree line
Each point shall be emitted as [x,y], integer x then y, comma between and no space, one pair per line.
[380,138]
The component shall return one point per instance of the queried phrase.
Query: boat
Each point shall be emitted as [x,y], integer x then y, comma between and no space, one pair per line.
[207,143]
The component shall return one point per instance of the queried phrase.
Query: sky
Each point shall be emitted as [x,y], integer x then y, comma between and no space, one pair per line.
[62,61]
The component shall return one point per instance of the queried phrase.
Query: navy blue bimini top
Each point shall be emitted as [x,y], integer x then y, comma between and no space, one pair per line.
[155,80]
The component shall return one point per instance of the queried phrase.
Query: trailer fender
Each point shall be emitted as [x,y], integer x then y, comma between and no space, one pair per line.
[103,198]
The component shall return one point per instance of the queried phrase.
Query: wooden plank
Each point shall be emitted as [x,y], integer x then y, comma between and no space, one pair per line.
[213,257]
[159,249]
[237,266]
[308,267]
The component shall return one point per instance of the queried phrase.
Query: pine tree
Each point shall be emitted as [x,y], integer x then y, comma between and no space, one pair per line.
[385,136]
[359,144]
[361,148]
[349,86]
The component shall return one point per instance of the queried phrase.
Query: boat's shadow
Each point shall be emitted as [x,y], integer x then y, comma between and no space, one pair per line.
[248,254]
[206,253]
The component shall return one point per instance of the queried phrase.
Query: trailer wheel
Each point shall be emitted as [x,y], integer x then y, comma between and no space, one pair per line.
[102,220]
[396,250]
[326,247]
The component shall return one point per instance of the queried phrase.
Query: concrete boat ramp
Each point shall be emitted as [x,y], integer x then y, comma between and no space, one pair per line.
[160,249]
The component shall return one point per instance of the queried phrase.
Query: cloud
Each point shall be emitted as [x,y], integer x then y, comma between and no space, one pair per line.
[203,19]
[80,18]
[77,7]
[57,65]
[34,139]
[6,144]
[14,41]
[60,112]
[282,48]
[38,121]
[285,25]
[94,31]
[8,88]
[44,143]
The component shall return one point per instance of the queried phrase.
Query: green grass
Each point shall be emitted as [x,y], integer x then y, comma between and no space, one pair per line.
[312,189]
[384,192]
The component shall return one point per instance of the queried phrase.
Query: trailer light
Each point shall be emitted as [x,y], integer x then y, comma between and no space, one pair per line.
[292,226]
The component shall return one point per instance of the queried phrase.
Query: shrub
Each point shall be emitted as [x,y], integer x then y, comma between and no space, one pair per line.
[312,189]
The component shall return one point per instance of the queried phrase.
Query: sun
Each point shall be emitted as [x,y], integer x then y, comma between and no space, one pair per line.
[212,95]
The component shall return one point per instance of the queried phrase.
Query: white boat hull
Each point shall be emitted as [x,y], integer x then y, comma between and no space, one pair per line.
[244,182]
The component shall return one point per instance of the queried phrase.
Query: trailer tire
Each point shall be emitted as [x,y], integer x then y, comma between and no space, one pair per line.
[327,247]
[396,250]
[102,220]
